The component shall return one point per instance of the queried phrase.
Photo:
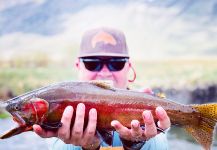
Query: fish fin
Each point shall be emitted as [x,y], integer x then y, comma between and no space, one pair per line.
[107,136]
[16,131]
[161,95]
[203,132]
[103,84]
[52,126]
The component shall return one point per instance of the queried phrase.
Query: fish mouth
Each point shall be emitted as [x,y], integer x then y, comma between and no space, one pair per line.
[18,118]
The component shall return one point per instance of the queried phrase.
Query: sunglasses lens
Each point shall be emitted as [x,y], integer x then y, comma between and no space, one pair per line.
[92,65]
[116,64]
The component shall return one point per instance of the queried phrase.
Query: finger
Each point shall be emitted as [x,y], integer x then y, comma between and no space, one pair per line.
[164,120]
[91,127]
[77,130]
[136,130]
[123,131]
[43,133]
[150,127]
[64,130]
[148,91]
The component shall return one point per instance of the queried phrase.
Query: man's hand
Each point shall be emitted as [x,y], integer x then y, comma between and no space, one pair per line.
[136,133]
[75,135]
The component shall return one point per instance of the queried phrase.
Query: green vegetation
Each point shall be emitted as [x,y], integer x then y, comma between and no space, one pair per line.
[23,79]
[170,73]
[4,115]
[177,73]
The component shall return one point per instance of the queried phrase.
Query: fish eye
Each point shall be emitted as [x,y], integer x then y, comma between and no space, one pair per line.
[16,107]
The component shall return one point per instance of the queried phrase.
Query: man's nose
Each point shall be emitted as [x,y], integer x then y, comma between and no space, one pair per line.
[105,71]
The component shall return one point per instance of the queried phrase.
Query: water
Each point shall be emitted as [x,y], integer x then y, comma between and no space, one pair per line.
[178,140]
[24,141]
[2,105]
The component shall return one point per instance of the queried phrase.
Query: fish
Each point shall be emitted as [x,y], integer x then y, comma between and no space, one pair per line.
[45,106]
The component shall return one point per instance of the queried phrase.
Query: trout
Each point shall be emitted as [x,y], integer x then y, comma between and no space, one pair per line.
[45,106]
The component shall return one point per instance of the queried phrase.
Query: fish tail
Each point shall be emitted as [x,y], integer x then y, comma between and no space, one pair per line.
[203,132]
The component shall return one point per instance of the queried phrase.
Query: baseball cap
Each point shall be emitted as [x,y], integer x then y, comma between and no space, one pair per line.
[103,42]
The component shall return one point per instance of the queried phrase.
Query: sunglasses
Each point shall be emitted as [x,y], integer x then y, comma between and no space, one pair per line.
[96,64]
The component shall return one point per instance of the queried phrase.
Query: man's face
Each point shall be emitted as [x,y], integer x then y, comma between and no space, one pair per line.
[104,68]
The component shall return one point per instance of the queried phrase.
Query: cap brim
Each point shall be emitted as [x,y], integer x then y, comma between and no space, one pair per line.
[104,54]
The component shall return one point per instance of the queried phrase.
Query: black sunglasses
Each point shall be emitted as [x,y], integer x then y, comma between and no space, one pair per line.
[96,64]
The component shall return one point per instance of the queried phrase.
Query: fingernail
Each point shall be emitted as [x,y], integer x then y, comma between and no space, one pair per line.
[147,115]
[113,123]
[69,108]
[136,124]
[93,111]
[81,106]
[36,128]
[160,111]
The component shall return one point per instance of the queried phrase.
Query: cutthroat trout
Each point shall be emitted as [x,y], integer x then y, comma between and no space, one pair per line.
[45,106]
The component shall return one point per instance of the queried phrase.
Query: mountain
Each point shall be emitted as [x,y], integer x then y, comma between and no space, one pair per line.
[154,28]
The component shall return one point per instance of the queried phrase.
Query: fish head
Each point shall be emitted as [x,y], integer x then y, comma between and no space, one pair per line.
[29,111]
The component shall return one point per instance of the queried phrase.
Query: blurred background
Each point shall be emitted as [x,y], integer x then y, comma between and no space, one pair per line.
[172,44]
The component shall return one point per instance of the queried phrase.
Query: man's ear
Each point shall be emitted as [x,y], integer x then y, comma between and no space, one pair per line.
[77,63]
[130,64]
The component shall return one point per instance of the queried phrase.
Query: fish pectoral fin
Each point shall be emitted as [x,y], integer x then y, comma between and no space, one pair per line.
[161,95]
[106,136]
[16,131]
[103,84]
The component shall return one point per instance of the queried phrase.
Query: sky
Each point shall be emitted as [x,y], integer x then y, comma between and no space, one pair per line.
[154,29]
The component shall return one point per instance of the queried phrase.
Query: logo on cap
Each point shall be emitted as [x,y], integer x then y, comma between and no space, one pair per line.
[103,37]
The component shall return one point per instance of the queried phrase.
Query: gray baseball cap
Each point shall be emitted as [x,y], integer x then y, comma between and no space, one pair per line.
[103,42]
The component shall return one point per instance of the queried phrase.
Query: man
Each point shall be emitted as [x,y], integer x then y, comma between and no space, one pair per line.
[104,56]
